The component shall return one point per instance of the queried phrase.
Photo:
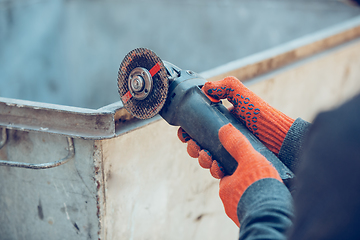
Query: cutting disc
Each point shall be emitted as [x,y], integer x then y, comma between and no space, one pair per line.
[142,83]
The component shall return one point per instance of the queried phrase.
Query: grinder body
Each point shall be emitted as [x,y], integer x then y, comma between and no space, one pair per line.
[148,86]
[187,106]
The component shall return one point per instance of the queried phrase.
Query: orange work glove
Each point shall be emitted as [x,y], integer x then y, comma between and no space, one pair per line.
[203,155]
[269,125]
[264,121]
[252,166]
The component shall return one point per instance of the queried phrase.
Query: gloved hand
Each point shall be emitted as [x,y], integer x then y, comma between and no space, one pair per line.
[252,166]
[269,125]
[264,121]
[203,155]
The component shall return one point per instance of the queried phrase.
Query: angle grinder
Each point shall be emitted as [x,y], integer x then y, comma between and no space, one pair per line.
[148,86]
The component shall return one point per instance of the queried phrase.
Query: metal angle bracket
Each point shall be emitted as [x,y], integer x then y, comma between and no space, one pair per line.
[70,155]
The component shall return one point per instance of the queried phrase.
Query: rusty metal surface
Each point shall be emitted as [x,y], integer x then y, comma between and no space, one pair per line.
[69,121]
[111,190]
[57,203]
[106,122]
[3,137]
[99,180]
[113,120]
[97,195]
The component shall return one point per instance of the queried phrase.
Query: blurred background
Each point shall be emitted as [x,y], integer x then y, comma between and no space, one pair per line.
[68,51]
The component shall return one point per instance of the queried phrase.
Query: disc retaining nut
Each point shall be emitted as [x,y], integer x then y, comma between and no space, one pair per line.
[140,83]
[137,83]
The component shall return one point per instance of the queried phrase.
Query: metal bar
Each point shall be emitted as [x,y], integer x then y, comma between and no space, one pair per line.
[3,137]
[70,155]
[69,121]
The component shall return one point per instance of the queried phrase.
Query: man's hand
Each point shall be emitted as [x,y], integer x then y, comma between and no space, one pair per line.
[252,166]
[203,155]
[269,125]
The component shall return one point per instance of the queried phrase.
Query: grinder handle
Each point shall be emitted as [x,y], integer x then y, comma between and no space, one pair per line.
[201,118]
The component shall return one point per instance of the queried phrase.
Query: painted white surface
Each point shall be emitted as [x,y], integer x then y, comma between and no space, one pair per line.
[315,84]
[154,190]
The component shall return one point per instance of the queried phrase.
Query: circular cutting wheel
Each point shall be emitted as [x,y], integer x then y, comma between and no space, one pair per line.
[142,83]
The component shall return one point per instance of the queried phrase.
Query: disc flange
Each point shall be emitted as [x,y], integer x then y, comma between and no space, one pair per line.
[142,83]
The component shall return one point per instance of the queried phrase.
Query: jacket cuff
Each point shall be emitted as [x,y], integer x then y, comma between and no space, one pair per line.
[265,210]
[293,142]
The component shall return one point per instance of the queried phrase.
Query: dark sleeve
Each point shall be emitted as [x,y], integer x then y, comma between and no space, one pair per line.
[265,210]
[327,201]
[293,144]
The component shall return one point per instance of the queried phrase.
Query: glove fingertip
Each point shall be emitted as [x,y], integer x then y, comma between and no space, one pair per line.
[205,159]
[182,135]
[217,170]
[224,88]
[193,148]
[213,89]
[233,141]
